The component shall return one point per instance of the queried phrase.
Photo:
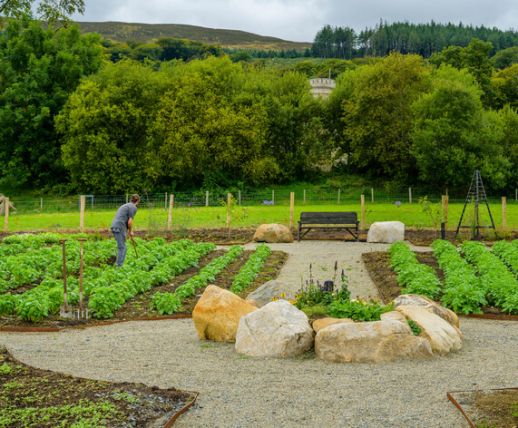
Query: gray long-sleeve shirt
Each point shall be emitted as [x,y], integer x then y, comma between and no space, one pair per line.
[122,216]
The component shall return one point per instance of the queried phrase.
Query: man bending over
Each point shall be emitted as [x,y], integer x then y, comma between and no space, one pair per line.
[123,224]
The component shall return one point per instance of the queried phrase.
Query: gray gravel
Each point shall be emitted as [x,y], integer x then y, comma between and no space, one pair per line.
[244,392]
[237,391]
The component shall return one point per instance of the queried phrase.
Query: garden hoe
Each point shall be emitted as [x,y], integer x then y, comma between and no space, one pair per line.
[134,244]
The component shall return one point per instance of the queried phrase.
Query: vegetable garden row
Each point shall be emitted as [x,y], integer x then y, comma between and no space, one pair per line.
[475,276]
[31,275]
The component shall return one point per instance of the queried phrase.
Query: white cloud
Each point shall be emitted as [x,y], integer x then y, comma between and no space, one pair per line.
[299,20]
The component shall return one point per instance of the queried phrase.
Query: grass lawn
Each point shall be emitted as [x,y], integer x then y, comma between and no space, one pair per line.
[242,216]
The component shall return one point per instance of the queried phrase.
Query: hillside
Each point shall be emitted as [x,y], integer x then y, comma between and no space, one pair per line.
[123,32]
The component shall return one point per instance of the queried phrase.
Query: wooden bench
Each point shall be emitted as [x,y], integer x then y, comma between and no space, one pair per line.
[329,220]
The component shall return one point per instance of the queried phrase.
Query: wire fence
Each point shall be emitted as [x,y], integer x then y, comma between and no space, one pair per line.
[208,209]
[218,199]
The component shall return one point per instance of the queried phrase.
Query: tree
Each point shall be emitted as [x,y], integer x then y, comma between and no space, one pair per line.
[505,58]
[453,135]
[504,85]
[38,70]
[105,125]
[48,10]
[208,131]
[374,103]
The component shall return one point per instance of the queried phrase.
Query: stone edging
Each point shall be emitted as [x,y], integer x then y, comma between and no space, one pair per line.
[23,329]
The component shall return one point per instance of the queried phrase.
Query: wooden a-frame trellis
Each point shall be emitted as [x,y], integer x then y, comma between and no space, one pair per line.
[477,195]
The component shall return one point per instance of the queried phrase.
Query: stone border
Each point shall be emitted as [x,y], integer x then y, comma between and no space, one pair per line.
[188,405]
[23,329]
[459,406]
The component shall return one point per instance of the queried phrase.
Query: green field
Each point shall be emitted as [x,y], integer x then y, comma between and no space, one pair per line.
[245,216]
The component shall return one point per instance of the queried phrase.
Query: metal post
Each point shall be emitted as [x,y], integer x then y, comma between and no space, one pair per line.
[41,204]
[372,194]
[304,197]
[239,197]
[165,200]
[273,197]
[207,198]
[409,195]
[338,200]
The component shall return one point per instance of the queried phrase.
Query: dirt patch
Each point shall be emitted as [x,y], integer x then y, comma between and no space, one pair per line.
[384,278]
[497,408]
[32,397]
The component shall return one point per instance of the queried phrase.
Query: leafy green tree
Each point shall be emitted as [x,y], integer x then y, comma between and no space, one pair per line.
[453,135]
[48,10]
[105,125]
[374,104]
[509,142]
[504,84]
[475,58]
[38,70]
[208,132]
[506,57]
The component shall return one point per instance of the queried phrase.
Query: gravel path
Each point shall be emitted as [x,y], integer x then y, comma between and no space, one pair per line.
[246,392]
[237,391]
[322,256]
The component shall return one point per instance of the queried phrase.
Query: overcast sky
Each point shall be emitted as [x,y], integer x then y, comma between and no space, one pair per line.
[299,20]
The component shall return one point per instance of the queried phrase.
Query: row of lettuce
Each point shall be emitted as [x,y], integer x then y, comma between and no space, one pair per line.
[474,275]
[37,265]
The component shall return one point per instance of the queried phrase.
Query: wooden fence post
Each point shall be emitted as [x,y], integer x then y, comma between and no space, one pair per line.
[362,212]
[445,200]
[6,214]
[229,203]
[409,195]
[41,204]
[239,197]
[207,198]
[170,213]
[292,208]
[82,206]
[504,213]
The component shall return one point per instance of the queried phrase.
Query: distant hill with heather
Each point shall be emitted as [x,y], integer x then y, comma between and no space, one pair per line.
[142,33]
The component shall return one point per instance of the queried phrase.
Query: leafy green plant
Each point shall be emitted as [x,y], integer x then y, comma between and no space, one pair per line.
[359,310]
[416,330]
[166,303]
[412,276]
[462,292]
[251,268]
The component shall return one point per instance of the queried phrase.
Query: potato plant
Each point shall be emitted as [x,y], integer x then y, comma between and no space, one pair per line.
[412,276]
[251,269]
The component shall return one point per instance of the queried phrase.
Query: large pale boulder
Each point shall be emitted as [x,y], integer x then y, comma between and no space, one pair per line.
[370,342]
[273,233]
[326,322]
[217,314]
[394,316]
[386,232]
[442,335]
[278,329]
[266,293]
[429,305]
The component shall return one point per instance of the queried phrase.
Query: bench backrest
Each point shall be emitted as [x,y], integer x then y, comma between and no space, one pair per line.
[328,217]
